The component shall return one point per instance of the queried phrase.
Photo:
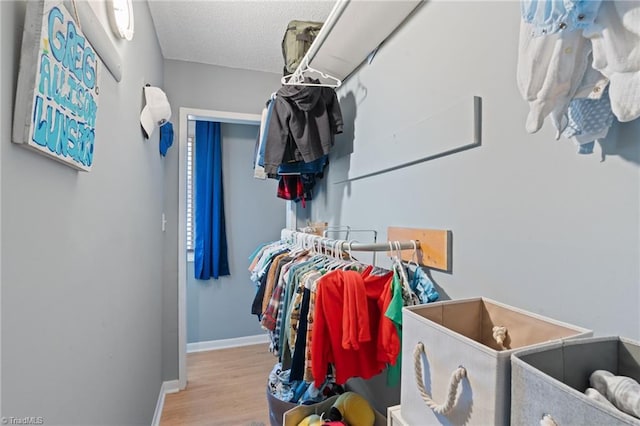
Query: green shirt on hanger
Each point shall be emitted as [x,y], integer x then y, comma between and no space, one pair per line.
[394,313]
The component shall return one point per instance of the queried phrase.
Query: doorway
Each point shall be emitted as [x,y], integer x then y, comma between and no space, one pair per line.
[216,311]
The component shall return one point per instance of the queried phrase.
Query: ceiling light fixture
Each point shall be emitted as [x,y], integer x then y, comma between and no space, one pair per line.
[121,18]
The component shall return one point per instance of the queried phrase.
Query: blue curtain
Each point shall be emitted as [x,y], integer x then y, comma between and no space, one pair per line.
[210,251]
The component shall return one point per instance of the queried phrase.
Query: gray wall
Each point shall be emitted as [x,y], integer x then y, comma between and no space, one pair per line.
[194,85]
[220,309]
[534,224]
[5,123]
[82,254]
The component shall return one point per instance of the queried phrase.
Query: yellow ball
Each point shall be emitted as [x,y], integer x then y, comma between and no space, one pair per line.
[355,409]
[312,420]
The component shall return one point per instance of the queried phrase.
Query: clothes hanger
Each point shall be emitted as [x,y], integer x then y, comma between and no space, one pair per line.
[325,259]
[338,254]
[414,255]
[334,260]
[392,254]
[349,249]
[319,255]
[310,250]
[351,263]
[297,78]
[404,279]
[346,259]
[297,247]
[411,297]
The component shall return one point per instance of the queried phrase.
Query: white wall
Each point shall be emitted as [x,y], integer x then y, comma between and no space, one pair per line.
[534,224]
[82,254]
[216,88]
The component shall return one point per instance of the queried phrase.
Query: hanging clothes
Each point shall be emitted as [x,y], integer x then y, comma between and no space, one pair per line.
[331,316]
[616,54]
[579,63]
[302,126]
[423,286]
[296,134]
[258,156]
[394,313]
[347,324]
[299,341]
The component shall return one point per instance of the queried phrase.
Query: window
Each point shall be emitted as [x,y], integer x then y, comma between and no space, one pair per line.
[190,224]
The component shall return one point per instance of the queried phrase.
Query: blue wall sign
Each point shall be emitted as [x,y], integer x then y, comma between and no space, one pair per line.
[59,87]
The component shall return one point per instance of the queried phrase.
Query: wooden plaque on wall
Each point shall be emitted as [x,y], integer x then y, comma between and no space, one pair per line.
[57,92]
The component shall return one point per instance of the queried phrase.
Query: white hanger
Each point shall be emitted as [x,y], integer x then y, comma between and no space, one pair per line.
[298,245]
[349,249]
[352,261]
[414,255]
[400,267]
[335,261]
[297,78]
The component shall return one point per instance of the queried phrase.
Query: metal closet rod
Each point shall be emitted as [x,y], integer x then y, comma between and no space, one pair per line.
[352,246]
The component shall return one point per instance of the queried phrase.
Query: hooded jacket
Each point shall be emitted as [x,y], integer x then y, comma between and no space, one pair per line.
[302,126]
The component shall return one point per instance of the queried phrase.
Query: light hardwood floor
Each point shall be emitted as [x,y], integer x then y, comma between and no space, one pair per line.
[224,387]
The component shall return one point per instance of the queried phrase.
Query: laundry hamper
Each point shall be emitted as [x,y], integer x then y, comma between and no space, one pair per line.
[454,371]
[277,408]
[550,380]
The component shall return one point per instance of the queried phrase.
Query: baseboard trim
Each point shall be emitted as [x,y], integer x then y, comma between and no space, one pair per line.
[170,386]
[227,343]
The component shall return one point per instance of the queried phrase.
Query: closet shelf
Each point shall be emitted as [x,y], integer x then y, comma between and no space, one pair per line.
[351,32]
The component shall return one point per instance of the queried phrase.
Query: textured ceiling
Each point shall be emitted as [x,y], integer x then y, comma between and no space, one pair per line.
[235,34]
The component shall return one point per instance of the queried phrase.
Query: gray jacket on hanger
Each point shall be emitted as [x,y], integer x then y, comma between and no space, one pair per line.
[302,125]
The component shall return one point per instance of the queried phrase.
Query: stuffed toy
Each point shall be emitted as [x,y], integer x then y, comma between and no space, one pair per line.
[352,409]
[311,420]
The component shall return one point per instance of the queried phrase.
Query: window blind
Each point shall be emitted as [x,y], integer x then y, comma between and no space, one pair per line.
[190,233]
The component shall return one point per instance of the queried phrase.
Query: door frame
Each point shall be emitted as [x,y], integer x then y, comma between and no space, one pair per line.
[187,114]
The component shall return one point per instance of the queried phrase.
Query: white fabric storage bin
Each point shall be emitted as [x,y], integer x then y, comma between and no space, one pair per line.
[459,333]
[394,416]
[551,380]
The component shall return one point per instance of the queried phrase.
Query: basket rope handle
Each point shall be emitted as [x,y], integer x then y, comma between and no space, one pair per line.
[456,378]
[547,420]
[500,335]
